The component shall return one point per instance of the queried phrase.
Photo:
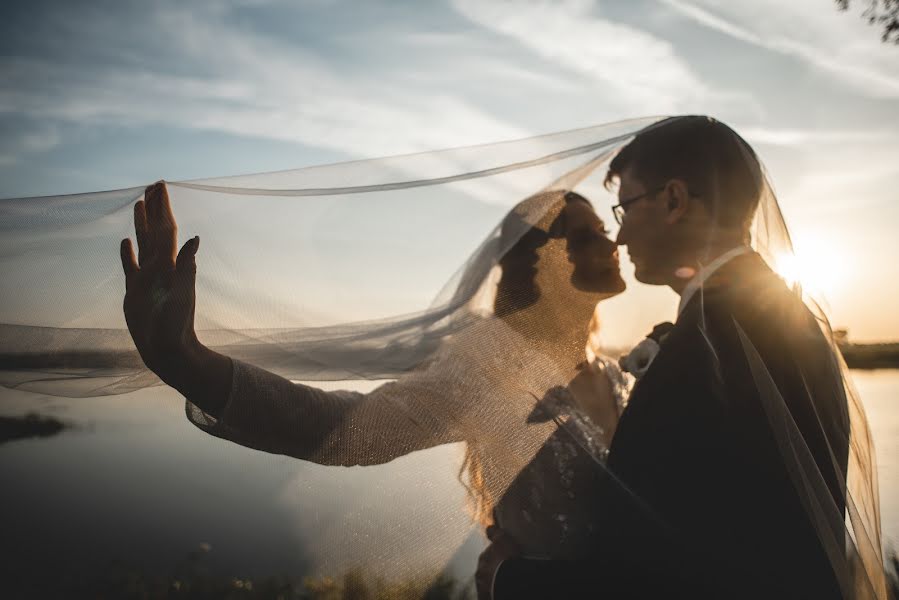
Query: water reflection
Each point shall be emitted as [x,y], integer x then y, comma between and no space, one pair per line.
[130,493]
[30,425]
[137,482]
[879,390]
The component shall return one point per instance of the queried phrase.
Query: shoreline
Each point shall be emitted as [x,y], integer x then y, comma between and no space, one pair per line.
[29,426]
[881,355]
[871,356]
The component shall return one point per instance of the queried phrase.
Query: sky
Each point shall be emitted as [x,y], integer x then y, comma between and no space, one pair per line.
[101,95]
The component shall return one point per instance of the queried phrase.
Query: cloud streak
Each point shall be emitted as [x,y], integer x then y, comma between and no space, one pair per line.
[636,70]
[818,42]
[805,137]
[243,84]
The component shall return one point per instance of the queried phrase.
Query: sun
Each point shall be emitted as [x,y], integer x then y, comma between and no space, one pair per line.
[813,264]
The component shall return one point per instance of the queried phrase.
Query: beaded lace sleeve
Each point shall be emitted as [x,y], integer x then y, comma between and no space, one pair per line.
[270,413]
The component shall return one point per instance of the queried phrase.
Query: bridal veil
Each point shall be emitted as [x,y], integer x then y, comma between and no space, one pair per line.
[369,271]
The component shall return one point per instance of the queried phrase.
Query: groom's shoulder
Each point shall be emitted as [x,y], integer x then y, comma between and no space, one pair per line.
[750,292]
[746,300]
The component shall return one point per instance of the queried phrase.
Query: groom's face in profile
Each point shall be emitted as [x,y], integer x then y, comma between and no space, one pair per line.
[644,229]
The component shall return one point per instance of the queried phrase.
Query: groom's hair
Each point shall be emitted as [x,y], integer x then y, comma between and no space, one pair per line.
[717,165]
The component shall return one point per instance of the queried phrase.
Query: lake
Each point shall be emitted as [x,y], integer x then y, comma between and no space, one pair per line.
[134,487]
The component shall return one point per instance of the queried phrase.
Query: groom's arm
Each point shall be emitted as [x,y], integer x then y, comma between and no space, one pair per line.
[601,576]
[524,578]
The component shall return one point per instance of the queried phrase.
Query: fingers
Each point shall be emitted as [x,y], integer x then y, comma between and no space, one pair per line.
[186,263]
[152,195]
[144,249]
[165,208]
[161,222]
[129,264]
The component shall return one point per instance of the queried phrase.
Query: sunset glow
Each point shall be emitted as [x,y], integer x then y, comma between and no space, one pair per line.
[814,265]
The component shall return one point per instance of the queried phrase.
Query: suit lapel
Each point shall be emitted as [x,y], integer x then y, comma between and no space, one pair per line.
[686,340]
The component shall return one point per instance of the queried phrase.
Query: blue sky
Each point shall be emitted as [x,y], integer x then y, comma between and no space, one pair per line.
[102,95]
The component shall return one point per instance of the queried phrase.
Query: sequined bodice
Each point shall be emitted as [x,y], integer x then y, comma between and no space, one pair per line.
[551,508]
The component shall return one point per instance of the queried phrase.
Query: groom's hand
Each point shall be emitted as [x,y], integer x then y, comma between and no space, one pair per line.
[501,548]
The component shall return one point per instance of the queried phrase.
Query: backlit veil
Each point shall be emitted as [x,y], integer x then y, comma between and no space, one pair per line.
[851,537]
[388,269]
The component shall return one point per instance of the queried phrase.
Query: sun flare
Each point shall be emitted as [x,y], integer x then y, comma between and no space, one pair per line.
[813,264]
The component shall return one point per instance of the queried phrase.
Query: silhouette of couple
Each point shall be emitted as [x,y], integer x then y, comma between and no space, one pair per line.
[679,486]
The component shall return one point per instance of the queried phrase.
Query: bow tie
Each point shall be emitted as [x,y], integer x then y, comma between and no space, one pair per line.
[637,361]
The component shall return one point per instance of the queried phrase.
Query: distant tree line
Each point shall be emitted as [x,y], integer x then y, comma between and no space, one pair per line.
[884,13]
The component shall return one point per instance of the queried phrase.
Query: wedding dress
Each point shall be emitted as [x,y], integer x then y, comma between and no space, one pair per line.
[541,471]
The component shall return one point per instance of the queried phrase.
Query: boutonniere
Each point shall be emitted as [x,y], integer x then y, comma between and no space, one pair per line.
[637,361]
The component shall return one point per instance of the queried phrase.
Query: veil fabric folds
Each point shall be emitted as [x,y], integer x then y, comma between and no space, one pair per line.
[395,270]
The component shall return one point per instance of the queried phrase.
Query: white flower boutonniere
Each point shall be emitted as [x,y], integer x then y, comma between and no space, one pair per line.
[637,361]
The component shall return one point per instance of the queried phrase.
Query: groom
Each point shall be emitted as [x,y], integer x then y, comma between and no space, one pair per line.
[727,470]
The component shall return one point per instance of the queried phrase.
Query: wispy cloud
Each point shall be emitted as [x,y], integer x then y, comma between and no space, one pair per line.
[819,36]
[804,137]
[704,17]
[635,69]
[19,145]
[245,84]
[837,187]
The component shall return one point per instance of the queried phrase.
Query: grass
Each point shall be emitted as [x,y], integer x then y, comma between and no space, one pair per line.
[192,579]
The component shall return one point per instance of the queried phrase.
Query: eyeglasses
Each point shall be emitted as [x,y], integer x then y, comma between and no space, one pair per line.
[619,209]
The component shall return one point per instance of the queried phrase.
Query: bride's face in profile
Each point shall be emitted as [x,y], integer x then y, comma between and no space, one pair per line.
[574,260]
[589,250]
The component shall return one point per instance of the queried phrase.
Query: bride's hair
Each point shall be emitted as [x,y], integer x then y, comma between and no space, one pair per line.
[514,293]
[710,157]
[516,289]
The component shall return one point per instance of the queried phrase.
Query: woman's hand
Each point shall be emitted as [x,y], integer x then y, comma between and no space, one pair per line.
[592,391]
[160,297]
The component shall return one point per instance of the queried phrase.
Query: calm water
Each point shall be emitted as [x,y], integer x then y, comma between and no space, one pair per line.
[880,394]
[135,483]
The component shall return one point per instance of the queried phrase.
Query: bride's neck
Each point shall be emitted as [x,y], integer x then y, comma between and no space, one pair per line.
[557,329]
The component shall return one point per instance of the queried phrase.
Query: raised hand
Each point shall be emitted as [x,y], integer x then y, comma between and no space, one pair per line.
[160,296]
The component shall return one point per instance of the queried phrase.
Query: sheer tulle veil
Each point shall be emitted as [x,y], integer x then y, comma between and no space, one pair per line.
[386,269]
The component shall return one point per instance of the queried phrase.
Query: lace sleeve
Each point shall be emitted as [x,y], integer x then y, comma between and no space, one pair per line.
[267,412]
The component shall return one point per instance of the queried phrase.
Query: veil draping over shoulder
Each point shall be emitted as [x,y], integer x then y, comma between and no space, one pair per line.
[453,273]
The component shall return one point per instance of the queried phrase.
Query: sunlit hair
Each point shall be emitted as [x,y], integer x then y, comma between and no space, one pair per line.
[718,166]
[471,476]
[509,299]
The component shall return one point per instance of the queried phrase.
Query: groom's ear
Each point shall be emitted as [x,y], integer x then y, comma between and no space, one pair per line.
[678,200]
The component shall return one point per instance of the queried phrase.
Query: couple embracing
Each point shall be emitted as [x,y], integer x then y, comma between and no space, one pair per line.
[722,473]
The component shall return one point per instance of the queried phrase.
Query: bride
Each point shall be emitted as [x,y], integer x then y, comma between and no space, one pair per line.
[514,385]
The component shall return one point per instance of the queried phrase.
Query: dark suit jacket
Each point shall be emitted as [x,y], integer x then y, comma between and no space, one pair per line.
[710,493]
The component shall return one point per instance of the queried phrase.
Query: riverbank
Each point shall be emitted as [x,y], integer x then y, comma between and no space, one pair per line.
[857,356]
[871,356]
[29,426]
